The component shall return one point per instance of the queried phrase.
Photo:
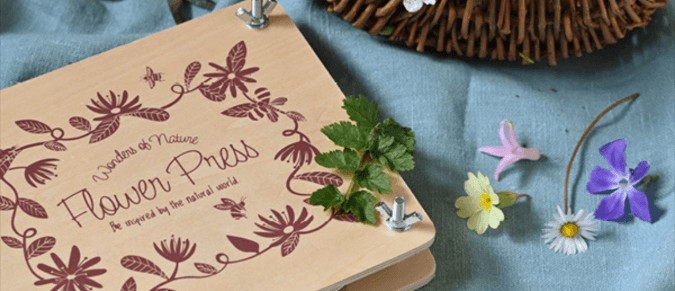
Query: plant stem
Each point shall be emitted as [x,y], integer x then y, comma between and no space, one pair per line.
[175,272]
[353,185]
[569,166]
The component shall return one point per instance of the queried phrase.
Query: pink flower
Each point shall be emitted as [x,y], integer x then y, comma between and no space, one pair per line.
[510,151]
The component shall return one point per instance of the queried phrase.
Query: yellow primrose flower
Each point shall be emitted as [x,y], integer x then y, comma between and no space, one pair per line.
[481,204]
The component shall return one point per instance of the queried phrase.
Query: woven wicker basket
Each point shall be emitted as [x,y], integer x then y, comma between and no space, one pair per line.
[501,29]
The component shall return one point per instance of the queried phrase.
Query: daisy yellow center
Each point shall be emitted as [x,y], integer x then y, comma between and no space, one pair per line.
[486,201]
[569,229]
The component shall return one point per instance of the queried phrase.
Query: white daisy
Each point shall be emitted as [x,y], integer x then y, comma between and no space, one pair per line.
[567,231]
[416,5]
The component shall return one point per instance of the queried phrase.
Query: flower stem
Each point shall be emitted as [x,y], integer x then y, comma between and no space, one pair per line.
[583,137]
[175,272]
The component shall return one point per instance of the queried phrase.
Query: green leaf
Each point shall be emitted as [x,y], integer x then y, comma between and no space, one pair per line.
[362,111]
[361,204]
[402,135]
[647,180]
[373,178]
[346,134]
[345,160]
[382,143]
[530,60]
[508,198]
[398,158]
[387,31]
[327,197]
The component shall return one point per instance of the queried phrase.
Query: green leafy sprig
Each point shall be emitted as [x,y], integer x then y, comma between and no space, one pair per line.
[367,146]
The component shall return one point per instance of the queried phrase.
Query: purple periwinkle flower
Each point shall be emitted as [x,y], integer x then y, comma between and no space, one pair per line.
[621,181]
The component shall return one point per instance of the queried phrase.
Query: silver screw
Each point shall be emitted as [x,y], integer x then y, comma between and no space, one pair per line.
[397,220]
[399,209]
[258,17]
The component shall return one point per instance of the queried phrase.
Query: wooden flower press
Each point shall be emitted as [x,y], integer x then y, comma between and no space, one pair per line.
[182,161]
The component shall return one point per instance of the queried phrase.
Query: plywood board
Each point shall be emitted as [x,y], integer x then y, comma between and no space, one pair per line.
[411,274]
[183,161]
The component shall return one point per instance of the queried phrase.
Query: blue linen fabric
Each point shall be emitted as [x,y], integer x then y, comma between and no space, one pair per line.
[455,106]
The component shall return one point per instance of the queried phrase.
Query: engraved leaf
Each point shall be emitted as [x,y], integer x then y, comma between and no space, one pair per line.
[241,110]
[341,215]
[80,123]
[33,126]
[237,57]
[143,265]
[6,203]
[321,178]
[289,244]
[191,71]
[244,245]
[206,268]
[6,158]
[55,146]
[212,94]
[41,246]
[129,285]
[154,114]
[105,129]
[296,116]
[12,242]
[279,101]
[32,208]
[39,172]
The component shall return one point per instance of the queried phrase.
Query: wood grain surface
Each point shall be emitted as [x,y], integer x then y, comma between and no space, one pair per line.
[181,161]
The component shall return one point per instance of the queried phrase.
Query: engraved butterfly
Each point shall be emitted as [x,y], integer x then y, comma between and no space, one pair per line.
[152,77]
[235,208]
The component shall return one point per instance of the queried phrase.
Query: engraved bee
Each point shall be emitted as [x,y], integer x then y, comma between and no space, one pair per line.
[152,77]
[235,208]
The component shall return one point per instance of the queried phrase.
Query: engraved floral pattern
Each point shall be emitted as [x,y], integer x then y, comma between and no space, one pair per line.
[283,227]
[176,251]
[75,276]
[112,107]
[299,153]
[233,75]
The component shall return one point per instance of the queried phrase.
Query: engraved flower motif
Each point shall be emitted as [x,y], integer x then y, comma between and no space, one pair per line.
[282,227]
[298,152]
[73,277]
[231,76]
[113,106]
[177,250]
